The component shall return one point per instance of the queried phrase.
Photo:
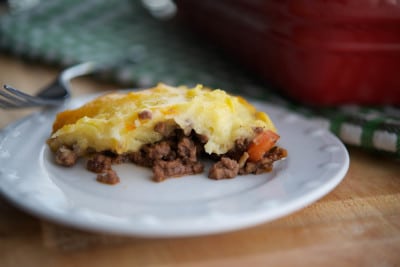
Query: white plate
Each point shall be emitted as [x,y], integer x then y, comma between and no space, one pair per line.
[192,205]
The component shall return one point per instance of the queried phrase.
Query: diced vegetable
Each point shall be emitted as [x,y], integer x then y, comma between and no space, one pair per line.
[261,144]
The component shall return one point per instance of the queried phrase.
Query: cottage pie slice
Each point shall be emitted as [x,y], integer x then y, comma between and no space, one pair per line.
[170,130]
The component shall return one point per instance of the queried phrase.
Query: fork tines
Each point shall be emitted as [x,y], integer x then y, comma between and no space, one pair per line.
[13,98]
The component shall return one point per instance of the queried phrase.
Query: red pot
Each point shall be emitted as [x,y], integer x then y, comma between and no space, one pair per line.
[320,52]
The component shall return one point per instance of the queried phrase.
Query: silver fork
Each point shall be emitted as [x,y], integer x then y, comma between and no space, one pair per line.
[52,95]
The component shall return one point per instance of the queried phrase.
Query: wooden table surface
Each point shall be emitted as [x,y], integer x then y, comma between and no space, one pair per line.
[357,224]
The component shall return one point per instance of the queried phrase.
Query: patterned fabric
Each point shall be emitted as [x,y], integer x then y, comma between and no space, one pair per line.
[139,51]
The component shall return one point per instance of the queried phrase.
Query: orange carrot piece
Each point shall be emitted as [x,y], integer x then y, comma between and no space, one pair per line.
[261,144]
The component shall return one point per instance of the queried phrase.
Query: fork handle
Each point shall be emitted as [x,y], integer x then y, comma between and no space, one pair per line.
[65,77]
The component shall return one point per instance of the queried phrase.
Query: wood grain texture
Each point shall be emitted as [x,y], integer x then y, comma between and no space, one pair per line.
[357,224]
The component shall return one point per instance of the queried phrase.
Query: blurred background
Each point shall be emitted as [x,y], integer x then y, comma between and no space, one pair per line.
[326,53]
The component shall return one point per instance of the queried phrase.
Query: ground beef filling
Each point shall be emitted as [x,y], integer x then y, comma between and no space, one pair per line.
[175,156]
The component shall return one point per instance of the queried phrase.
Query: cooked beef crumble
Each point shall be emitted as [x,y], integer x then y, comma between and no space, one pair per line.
[176,155]
[225,168]
[66,156]
[108,177]
[163,169]
[99,163]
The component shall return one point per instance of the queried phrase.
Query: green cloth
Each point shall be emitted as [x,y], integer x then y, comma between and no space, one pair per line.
[140,51]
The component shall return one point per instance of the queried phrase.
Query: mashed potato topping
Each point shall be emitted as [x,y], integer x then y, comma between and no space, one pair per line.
[122,122]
